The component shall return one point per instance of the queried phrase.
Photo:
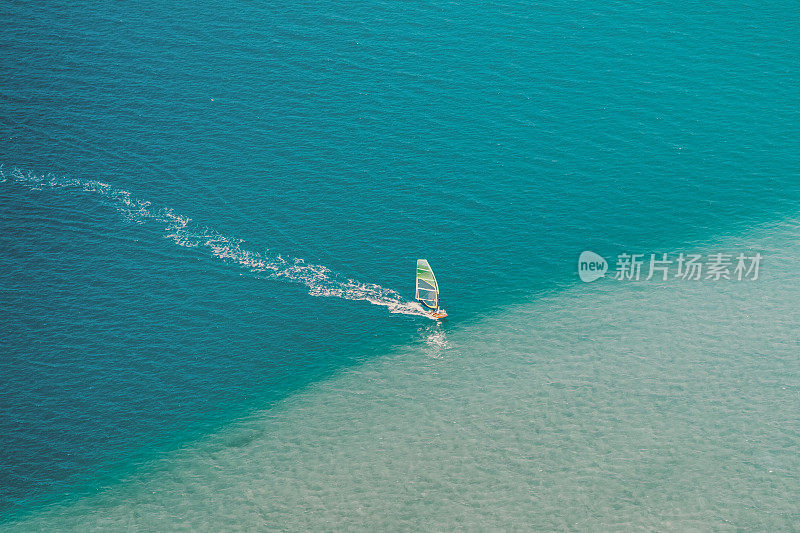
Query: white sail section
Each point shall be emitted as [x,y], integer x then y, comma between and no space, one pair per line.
[427,288]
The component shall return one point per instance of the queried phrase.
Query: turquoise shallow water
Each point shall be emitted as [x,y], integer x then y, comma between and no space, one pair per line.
[200,204]
[613,406]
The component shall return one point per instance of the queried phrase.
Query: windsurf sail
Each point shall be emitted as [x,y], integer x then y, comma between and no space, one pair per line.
[427,288]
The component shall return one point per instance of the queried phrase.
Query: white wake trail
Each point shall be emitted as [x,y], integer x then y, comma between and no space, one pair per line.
[319,279]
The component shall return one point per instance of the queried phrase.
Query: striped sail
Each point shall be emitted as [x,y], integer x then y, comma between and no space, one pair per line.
[427,288]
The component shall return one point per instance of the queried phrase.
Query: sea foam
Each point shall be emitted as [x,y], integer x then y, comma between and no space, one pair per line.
[319,279]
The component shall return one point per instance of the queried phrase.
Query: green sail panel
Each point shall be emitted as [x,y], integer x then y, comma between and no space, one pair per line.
[427,288]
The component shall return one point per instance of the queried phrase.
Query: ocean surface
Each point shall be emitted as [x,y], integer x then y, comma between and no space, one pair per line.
[210,214]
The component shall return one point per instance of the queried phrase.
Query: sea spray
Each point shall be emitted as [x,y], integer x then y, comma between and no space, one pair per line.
[319,279]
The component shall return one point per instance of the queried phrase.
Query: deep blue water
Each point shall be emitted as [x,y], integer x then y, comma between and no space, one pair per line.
[496,141]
